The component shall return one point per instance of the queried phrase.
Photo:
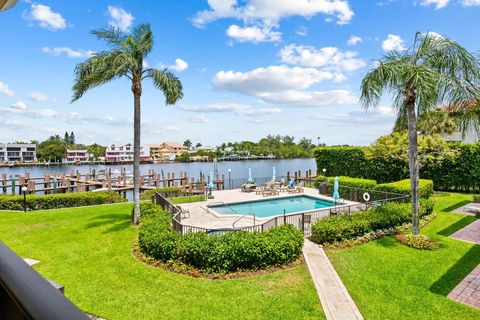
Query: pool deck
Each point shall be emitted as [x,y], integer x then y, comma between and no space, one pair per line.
[200,217]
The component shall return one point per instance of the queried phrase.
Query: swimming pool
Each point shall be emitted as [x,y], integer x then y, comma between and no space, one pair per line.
[273,207]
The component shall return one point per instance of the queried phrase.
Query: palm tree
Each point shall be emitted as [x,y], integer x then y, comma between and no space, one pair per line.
[434,71]
[126,59]
[436,121]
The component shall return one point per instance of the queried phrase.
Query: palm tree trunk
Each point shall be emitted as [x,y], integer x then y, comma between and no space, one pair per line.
[413,157]
[137,92]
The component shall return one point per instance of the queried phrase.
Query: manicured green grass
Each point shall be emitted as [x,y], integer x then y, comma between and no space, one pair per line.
[89,251]
[388,280]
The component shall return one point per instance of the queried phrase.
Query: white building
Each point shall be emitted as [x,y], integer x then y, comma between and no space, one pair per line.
[10,152]
[124,153]
[76,157]
[471,135]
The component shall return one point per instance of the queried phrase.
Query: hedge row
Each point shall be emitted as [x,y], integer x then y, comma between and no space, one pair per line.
[460,173]
[400,187]
[347,227]
[167,192]
[217,253]
[61,200]
[403,187]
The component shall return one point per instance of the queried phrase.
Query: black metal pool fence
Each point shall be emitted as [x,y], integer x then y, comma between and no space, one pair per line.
[359,199]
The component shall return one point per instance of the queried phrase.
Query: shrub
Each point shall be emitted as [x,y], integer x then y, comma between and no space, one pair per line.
[340,228]
[218,253]
[476,198]
[56,201]
[426,206]
[167,192]
[403,187]
[418,241]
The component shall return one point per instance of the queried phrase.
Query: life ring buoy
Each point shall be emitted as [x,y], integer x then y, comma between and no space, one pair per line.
[366,196]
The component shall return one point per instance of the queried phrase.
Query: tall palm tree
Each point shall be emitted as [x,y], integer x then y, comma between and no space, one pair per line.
[434,71]
[126,59]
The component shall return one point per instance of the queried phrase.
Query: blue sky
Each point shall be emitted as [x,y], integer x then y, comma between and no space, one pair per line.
[249,67]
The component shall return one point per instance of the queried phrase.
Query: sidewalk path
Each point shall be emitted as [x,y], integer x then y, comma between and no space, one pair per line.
[468,290]
[336,302]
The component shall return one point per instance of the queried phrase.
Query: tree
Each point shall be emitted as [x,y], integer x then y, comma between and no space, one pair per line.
[436,121]
[53,148]
[125,59]
[72,138]
[66,138]
[305,143]
[433,71]
[198,145]
[187,143]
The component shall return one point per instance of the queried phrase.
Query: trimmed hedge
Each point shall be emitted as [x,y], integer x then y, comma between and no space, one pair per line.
[403,187]
[400,187]
[460,173]
[217,253]
[167,192]
[339,228]
[57,201]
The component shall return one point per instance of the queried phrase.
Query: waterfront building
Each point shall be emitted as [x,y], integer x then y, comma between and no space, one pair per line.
[166,150]
[76,157]
[124,153]
[11,152]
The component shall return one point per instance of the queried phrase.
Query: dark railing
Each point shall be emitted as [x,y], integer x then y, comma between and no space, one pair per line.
[302,220]
[25,294]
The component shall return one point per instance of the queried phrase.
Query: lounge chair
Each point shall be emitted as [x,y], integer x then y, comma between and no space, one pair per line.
[296,189]
[184,213]
[271,191]
[261,189]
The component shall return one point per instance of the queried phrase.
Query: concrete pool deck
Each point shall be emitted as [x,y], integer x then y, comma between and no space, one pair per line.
[203,218]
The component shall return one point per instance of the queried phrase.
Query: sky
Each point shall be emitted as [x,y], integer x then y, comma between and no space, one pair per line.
[249,67]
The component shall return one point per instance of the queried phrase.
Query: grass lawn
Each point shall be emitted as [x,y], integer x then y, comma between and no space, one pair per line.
[390,281]
[88,251]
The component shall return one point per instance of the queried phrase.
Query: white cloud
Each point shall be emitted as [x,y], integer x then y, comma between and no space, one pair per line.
[312,98]
[19,105]
[199,119]
[269,12]
[46,18]
[470,3]
[270,79]
[393,42]
[40,97]
[71,53]
[119,18]
[439,4]
[354,40]
[5,90]
[180,65]
[253,34]
[302,31]
[228,107]
[359,117]
[328,58]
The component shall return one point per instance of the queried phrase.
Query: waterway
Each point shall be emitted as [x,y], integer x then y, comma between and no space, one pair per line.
[238,169]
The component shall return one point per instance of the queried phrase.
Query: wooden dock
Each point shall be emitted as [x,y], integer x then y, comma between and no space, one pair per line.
[106,179]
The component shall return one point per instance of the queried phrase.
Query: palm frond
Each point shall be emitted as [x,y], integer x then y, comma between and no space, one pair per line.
[168,83]
[101,68]
[113,36]
[143,36]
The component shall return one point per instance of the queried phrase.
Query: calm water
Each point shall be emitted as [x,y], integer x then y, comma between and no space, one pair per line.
[273,207]
[239,169]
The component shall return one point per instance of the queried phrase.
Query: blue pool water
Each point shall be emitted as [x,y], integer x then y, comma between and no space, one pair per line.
[273,207]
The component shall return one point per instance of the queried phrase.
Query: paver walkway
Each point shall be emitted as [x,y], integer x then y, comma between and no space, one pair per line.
[468,290]
[470,233]
[336,301]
